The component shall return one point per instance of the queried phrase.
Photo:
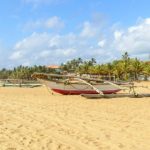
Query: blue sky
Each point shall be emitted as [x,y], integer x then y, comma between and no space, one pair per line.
[45,32]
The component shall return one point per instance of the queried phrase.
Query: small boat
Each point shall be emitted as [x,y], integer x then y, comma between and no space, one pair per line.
[18,83]
[73,85]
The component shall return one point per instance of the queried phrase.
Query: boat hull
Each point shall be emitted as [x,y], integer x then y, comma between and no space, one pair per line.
[79,92]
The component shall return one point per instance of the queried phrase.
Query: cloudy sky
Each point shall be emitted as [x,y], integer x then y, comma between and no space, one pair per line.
[45,32]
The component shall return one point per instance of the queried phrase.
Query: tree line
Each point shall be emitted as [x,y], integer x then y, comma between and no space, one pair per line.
[123,69]
[23,72]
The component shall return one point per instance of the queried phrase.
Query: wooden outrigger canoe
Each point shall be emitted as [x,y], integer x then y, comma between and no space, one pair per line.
[73,85]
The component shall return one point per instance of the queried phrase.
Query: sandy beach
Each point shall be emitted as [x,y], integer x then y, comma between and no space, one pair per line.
[34,119]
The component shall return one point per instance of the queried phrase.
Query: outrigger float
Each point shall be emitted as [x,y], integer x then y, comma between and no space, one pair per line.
[86,87]
[96,96]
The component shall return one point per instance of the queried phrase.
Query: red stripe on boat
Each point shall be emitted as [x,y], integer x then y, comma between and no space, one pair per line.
[78,92]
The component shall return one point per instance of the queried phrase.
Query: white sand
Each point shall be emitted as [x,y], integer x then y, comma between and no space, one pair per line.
[33,119]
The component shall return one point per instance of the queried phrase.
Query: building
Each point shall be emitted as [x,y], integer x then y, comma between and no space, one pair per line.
[55,68]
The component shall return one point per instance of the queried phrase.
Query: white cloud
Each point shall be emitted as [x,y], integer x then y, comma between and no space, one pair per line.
[93,28]
[26,63]
[44,53]
[102,43]
[16,55]
[30,25]
[88,30]
[54,22]
[43,48]
[117,35]
[46,48]
[50,23]
[35,41]
[69,52]
[135,40]
[29,48]
[54,41]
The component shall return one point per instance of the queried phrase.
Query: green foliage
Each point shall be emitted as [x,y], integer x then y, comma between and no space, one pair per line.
[23,72]
[146,68]
[123,69]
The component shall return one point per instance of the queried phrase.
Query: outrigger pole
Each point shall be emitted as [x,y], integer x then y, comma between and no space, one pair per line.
[85,82]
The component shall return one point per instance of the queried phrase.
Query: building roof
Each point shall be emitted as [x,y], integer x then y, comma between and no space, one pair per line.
[53,67]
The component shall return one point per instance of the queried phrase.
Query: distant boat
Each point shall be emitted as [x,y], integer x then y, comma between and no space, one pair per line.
[18,83]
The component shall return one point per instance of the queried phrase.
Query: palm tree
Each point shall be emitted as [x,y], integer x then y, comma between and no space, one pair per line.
[146,69]
[126,64]
[136,67]
[118,69]
[109,67]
